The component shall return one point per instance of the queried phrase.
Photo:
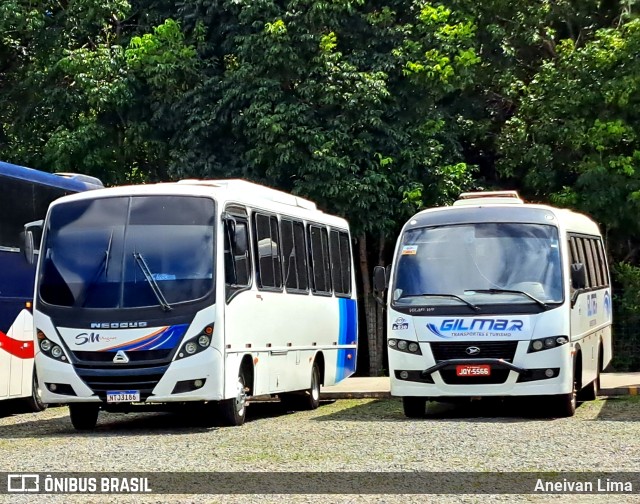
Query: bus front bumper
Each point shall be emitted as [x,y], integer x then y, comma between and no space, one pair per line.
[175,385]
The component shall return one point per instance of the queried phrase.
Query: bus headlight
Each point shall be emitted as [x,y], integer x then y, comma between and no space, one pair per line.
[404,346]
[547,343]
[49,348]
[197,344]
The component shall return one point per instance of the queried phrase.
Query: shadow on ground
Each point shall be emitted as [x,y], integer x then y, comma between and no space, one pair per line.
[486,410]
[619,409]
[143,420]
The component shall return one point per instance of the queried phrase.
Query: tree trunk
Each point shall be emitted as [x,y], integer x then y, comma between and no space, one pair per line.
[373,311]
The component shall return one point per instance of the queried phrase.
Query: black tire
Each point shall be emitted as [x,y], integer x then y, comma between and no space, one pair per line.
[84,416]
[307,399]
[590,392]
[414,407]
[34,403]
[234,410]
[565,404]
[311,398]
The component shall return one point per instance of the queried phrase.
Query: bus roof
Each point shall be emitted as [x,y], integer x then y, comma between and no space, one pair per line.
[224,191]
[503,209]
[69,181]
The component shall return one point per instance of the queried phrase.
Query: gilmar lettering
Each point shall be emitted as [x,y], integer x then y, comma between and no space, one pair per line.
[481,325]
[117,325]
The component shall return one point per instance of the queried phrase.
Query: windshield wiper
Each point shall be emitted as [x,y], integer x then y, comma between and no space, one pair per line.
[452,296]
[152,282]
[509,291]
[103,266]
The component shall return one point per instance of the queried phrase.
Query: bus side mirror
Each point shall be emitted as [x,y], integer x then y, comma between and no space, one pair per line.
[578,276]
[28,242]
[379,279]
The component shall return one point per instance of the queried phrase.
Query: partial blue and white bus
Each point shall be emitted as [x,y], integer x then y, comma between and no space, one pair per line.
[25,195]
[492,297]
[211,292]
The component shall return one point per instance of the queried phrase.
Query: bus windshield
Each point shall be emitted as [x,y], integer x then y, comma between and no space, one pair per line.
[479,264]
[126,252]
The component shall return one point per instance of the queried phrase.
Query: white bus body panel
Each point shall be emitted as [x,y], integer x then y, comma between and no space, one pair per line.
[16,358]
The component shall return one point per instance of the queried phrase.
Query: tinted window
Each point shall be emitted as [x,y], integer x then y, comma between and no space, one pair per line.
[21,202]
[320,267]
[267,247]
[340,262]
[236,253]
[294,256]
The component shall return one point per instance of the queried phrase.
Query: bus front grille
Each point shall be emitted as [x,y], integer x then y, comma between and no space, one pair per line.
[102,380]
[504,350]
[133,356]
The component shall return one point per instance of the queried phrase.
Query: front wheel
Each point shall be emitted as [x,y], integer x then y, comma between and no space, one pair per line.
[84,416]
[35,403]
[565,404]
[234,410]
[414,407]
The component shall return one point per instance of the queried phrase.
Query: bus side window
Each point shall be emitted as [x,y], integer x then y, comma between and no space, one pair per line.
[236,256]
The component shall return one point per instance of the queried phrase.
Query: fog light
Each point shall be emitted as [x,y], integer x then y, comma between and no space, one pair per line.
[198,383]
[45,345]
[191,348]
[413,347]
[404,375]
[392,343]
[53,387]
[204,341]
[549,342]
[548,373]
[56,352]
[537,345]
[402,345]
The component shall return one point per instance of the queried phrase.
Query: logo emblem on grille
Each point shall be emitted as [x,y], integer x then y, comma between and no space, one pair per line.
[121,357]
[472,350]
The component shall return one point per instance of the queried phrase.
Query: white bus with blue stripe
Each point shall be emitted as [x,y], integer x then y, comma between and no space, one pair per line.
[492,297]
[197,291]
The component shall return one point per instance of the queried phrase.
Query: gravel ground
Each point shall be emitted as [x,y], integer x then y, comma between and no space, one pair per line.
[346,435]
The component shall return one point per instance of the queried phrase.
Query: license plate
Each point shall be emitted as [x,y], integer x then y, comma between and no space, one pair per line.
[473,370]
[118,396]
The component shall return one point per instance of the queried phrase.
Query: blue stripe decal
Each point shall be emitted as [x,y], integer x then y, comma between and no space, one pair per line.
[168,338]
[348,335]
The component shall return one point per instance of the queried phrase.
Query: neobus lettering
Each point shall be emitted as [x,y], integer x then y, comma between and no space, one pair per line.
[481,325]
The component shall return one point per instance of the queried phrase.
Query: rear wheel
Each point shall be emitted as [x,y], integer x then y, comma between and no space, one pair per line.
[307,400]
[84,416]
[35,403]
[234,410]
[414,407]
[590,392]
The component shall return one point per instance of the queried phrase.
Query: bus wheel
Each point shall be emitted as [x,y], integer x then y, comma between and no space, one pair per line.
[566,403]
[234,410]
[34,403]
[308,399]
[414,407]
[590,392]
[84,416]
[312,397]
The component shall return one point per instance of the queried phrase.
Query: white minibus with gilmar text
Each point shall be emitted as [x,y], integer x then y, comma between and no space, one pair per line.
[197,291]
[492,297]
